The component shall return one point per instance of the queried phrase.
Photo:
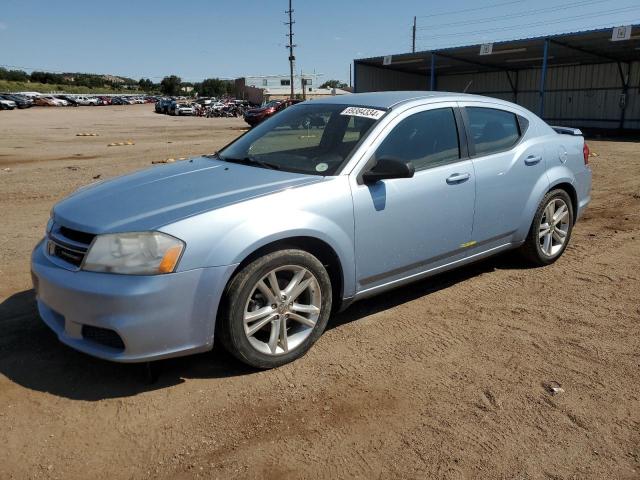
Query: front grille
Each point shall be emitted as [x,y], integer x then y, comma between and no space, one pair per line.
[102,336]
[72,256]
[68,244]
[77,236]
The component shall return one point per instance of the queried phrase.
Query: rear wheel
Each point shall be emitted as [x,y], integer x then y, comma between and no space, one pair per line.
[550,230]
[277,307]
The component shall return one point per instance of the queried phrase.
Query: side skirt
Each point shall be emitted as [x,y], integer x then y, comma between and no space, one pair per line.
[427,273]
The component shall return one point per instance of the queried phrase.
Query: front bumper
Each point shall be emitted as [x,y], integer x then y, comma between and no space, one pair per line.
[253,120]
[156,317]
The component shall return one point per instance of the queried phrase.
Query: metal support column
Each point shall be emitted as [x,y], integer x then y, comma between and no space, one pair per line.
[543,76]
[355,77]
[625,92]
[514,85]
[433,72]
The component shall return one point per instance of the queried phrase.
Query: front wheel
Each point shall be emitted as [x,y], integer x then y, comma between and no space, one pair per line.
[276,308]
[550,230]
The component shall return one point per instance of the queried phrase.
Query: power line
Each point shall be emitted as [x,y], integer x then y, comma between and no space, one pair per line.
[527,25]
[513,15]
[453,12]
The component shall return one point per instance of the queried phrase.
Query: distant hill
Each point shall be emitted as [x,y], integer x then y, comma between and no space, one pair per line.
[71,79]
[9,86]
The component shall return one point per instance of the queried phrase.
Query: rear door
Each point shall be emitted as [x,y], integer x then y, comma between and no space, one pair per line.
[406,226]
[508,160]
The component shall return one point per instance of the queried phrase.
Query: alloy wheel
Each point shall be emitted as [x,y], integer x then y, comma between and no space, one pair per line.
[554,227]
[282,309]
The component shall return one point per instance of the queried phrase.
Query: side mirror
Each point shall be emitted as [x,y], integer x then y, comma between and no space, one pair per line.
[388,167]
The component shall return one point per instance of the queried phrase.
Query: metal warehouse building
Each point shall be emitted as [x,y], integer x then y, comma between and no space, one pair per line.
[589,79]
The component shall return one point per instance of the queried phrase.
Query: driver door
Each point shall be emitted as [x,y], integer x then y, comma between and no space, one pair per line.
[406,226]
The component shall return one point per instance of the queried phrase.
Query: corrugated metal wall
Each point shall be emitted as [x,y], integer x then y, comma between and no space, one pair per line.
[378,79]
[579,95]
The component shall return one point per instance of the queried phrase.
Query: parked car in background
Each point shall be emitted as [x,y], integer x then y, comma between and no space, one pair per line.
[105,100]
[255,247]
[162,105]
[31,95]
[254,116]
[205,102]
[166,104]
[6,104]
[64,102]
[119,101]
[50,101]
[71,100]
[178,109]
[92,100]
[21,101]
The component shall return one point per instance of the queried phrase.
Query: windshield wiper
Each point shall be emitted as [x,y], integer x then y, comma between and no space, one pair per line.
[249,161]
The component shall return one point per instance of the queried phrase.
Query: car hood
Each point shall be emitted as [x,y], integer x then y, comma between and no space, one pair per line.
[164,194]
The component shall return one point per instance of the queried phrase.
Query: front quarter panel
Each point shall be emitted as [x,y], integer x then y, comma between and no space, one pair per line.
[228,235]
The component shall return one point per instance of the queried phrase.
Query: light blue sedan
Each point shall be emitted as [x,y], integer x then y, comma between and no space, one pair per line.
[328,202]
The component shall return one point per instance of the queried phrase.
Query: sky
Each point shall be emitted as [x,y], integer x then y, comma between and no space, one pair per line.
[198,39]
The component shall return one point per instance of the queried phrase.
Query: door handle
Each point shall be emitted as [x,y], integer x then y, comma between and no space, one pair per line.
[458,178]
[533,159]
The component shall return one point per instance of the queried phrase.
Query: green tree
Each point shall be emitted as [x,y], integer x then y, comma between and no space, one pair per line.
[146,85]
[13,75]
[214,87]
[171,85]
[333,84]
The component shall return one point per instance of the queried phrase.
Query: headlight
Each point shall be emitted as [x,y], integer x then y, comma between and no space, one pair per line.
[141,253]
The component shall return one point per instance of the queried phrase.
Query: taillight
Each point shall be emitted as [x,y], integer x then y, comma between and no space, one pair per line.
[585,153]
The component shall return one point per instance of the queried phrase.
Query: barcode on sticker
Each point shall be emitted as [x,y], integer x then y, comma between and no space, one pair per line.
[363,112]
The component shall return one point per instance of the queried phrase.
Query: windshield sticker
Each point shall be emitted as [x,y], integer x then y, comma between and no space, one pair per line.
[322,167]
[363,112]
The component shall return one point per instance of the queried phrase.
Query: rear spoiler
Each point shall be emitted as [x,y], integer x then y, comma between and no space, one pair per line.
[568,131]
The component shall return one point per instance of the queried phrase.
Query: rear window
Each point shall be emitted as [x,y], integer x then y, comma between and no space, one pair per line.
[492,130]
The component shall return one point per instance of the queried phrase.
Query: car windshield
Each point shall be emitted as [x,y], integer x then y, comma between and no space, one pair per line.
[309,138]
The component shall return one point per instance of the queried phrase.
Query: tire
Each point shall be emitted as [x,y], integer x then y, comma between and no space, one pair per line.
[244,298]
[536,248]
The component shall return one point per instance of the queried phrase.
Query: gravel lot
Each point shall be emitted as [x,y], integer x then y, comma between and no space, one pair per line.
[445,378]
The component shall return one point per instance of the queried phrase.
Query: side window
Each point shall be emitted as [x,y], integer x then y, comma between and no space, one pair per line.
[427,139]
[492,130]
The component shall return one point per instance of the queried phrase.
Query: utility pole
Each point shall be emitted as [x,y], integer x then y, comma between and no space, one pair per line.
[292,58]
[413,37]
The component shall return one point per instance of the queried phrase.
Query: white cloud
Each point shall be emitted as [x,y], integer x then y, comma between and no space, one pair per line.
[3,26]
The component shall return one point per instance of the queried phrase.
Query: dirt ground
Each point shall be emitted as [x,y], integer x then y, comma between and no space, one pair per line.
[442,379]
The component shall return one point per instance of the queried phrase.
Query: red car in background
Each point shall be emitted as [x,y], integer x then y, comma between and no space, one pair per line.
[254,116]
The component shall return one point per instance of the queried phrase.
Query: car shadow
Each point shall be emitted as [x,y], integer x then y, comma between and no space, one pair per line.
[32,356]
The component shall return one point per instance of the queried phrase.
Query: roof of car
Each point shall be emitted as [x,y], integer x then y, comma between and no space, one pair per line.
[391,99]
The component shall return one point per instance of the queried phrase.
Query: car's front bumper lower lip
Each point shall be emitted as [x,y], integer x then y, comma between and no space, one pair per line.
[156,317]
